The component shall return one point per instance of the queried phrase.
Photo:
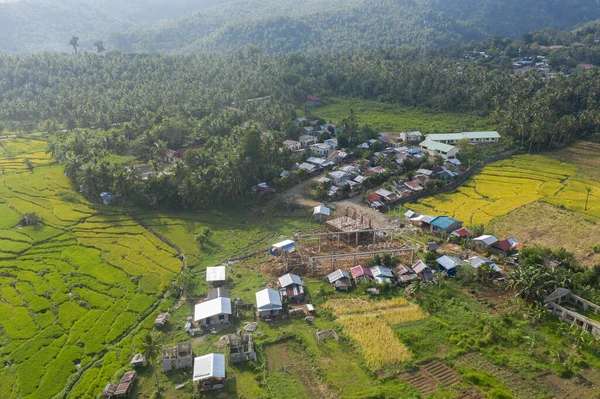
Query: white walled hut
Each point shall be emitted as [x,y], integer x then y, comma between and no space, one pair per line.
[209,372]
[321,213]
[268,303]
[213,312]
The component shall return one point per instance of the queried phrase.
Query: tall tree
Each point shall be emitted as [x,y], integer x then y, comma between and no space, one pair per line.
[99,46]
[151,348]
[74,42]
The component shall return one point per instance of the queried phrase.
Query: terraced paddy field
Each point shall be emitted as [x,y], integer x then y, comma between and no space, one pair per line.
[537,198]
[75,288]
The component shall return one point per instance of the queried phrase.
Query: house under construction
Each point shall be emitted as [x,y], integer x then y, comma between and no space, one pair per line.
[177,357]
[241,347]
[564,304]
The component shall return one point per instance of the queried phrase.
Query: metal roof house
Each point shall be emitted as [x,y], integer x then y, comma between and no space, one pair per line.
[473,137]
[216,275]
[213,312]
[448,264]
[484,241]
[209,371]
[423,271]
[382,274]
[477,261]
[405,274]
[291,287]
[268,303]
[444,150]
[321,212]
[361,273]
[340,280]
[217,293]
[444,224]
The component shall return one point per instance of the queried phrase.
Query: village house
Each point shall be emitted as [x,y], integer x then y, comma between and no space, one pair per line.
[435,148]
[325,181]
[360,179]
[405,274]
[477,261]
[292,145]
[313,101]
[422,221]
[361,274]
[414,137]
[263,190]
[138,360]
[340,280]
[444,224]
[382,274]
[177,357]
[413,186]
[268,303]
[309,168]
[291,287]
[332,143]
[472,137]
[320,148]
[423,271]
[214,312]
[387,195]
[209,372]
[485,241]
[320,162]
[330,127]
[306,140]
[338,176]
[216,275]
[375,201]
[309,130]
[463,232]
[448,264]
[124,388]
[321,213]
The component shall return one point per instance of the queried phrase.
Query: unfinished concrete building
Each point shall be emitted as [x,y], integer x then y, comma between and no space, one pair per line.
[567,306]
[241,347]
[177,357]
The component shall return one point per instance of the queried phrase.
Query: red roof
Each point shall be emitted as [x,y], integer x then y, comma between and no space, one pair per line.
[413,185]
[463,232]
[401,270]
[374,197]
[359,271]
[180,152]
[587,66]
[313,98]
[504,245]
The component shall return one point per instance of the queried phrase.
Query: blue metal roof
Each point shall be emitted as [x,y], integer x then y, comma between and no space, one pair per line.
[443,222]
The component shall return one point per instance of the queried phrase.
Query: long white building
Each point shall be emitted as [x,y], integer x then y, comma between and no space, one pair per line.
[473,137]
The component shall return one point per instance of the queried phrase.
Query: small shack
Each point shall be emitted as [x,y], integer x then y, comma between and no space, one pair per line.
[125,385]
[291,287]
[161,320]
[340,280]
[268,303]
[216,275]
[281,247]
[405,274]
[423,271]
[214,312]
[321,213]
[477,261]
[382,274]
[485,241]
[138,360]
[241,347]
[209,372]
[177,357]
[361,274]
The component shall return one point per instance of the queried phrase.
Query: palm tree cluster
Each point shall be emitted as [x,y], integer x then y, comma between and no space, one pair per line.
[224,163]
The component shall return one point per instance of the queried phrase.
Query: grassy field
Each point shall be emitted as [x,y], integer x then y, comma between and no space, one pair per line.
[513,187]
[393,118]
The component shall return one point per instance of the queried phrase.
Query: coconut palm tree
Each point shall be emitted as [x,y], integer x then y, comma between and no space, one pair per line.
[74,42]
[99,46]
[151,347]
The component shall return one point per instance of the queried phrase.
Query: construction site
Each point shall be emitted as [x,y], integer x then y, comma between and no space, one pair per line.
[341,242]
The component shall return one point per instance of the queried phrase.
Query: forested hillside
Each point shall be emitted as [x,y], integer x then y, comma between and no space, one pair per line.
[276,25]
[47,25]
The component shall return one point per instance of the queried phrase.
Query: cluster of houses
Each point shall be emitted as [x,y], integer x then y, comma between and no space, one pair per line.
[444,144]
[342,280]
[270,302]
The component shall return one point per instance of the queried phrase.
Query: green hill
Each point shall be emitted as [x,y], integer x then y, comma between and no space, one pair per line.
[276,25]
